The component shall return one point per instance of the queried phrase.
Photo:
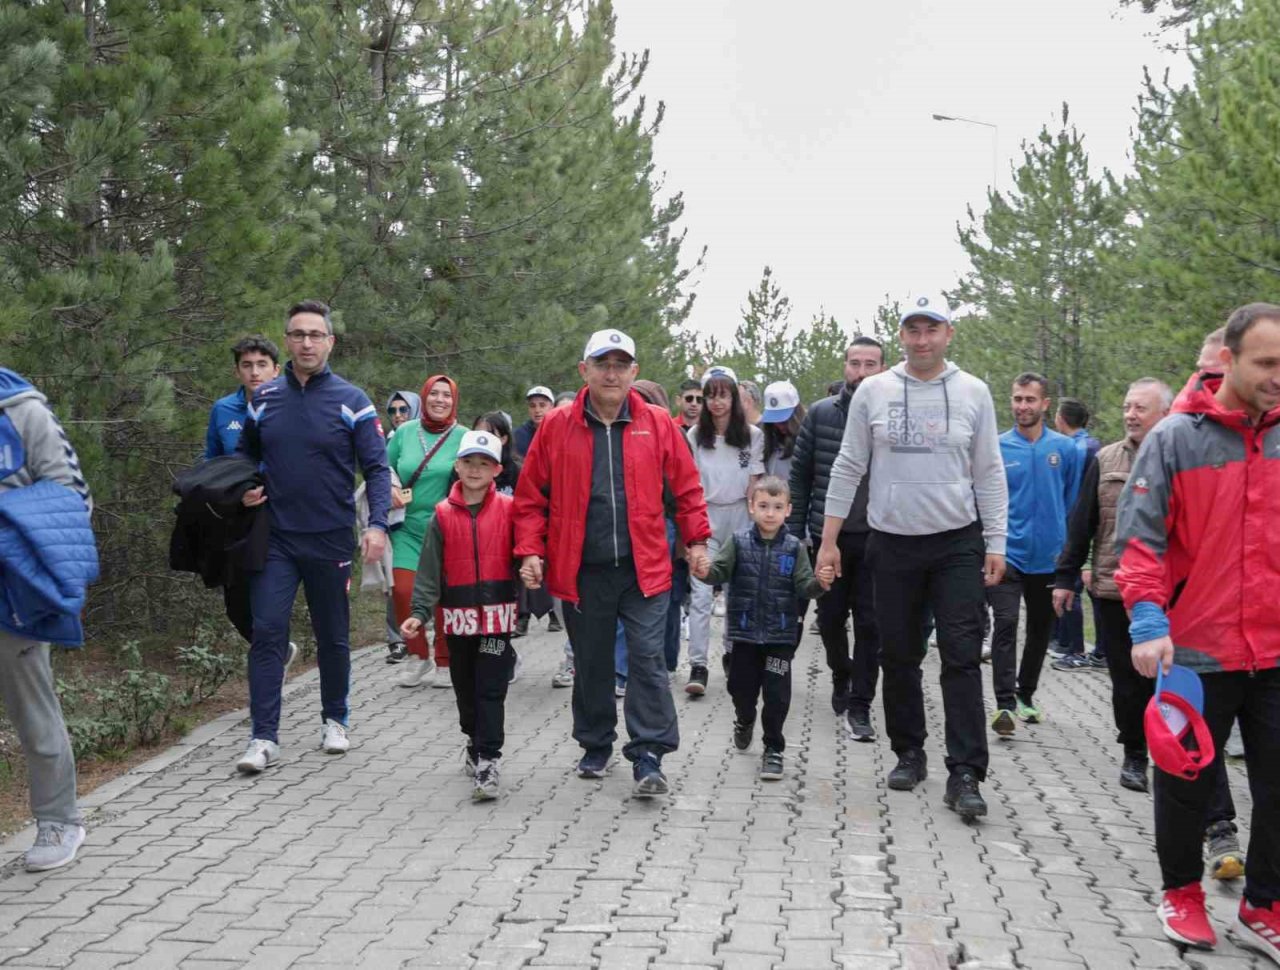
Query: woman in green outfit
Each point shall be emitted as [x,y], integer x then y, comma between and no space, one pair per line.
[421,455]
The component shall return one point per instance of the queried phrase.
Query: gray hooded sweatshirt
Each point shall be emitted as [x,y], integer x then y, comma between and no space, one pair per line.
[937,456]
[33,445]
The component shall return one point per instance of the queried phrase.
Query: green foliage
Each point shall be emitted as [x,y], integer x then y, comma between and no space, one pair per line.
[471,186]
[766,347]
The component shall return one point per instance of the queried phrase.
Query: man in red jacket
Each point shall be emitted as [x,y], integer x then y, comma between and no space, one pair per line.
[590,504]
[1198,523]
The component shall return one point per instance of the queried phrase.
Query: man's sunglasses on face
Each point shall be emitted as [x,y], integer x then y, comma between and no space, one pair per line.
[693,399]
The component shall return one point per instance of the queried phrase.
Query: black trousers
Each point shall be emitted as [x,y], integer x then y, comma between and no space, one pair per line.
[1036,590]
[852,593]
[757,671]
[1130,692]
[942,571]
[1181,807]
[480,669]
[235,596]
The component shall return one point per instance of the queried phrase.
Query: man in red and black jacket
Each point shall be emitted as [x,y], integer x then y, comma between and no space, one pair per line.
[589,504]
[1199,568]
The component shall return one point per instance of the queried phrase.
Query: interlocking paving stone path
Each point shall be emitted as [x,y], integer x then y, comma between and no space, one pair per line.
[379,858]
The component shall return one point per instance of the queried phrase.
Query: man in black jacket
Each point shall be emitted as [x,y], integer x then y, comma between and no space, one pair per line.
[853,678]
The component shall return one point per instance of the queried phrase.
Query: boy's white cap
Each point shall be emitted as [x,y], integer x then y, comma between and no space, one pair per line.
[603,341]
[718,370]
[481,443]
[931,305]
[538,390]
[780,401]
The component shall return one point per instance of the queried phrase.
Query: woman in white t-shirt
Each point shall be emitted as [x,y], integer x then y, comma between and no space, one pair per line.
[730,457]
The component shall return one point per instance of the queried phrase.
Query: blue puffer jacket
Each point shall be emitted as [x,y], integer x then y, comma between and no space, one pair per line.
[762,596]
[48,558]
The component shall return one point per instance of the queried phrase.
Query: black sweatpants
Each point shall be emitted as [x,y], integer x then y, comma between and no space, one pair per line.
[480,669]
[943,571]
[1181,807]
[1130,692]
[1036,590]
[757,670]
[853,592]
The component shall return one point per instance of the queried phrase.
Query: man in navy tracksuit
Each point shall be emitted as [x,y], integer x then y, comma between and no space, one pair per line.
[1042,469]
[310,429]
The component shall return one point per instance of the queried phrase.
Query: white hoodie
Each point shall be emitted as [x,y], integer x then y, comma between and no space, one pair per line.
[937,456]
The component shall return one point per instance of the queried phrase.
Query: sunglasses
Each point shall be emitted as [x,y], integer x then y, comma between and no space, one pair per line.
[398,409]
[693,399]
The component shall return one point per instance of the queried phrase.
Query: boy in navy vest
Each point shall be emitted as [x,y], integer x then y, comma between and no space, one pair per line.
[467,573]
[768,572]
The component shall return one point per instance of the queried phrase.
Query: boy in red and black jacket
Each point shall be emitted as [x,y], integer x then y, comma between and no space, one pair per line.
[466,572]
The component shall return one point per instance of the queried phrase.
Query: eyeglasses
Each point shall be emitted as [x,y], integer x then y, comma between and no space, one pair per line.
[398,409]
[304,336]
[617,366]
[693,399]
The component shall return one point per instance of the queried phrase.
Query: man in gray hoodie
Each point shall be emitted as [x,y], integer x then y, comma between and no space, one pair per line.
[937,507]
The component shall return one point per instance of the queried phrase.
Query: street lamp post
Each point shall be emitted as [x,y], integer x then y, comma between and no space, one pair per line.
[995,142]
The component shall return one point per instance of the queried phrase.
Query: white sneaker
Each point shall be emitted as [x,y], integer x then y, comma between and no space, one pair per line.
[334,738]
[55,846]
[717,608]
[415,673]
[486,785]
[563,677]
[257,756]
[515,669]
[440,678]
[290,657]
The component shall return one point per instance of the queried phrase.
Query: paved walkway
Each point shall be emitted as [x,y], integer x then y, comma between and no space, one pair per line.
[379,859]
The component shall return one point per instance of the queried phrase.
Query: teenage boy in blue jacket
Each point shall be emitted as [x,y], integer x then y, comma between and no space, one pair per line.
[34,448]
[310,430]
[1042,469]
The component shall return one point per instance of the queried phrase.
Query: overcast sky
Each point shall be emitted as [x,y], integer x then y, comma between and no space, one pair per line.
[801,134]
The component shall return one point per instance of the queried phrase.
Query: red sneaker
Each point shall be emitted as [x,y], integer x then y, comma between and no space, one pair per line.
[1259,929]
[1182,915]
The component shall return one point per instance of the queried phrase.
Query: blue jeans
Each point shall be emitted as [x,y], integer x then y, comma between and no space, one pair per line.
[317,564]
[1070,626]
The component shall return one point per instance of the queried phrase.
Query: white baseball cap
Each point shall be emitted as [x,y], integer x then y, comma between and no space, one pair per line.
[603,341]
[481,443]
[718,370]
[931,305]
[780,401]
[539,390]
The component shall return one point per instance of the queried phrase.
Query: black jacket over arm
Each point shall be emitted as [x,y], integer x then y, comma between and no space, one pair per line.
[215,535]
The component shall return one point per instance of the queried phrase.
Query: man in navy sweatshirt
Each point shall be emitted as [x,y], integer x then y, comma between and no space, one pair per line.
[310,429]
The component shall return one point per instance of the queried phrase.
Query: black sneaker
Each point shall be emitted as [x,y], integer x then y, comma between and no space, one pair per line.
[1133,773]
[697,685]
[962,795]
[912,768]
[648,776]
[840,694]
[522,627]
[860,726]
[554,625]
[742,735]
[397,653]
[771,765]
[595,764]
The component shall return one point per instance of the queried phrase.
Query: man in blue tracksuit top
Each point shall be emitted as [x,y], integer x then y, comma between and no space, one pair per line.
[1042,469]
[310,430]
[257,361]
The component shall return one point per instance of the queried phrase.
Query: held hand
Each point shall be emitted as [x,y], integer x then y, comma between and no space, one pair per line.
[699,566]
[410,628]
[1062,600]
[531,572]
[828,558]
[1151,655]
[826,576]
[254,497]
[373,545]
[993,569]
